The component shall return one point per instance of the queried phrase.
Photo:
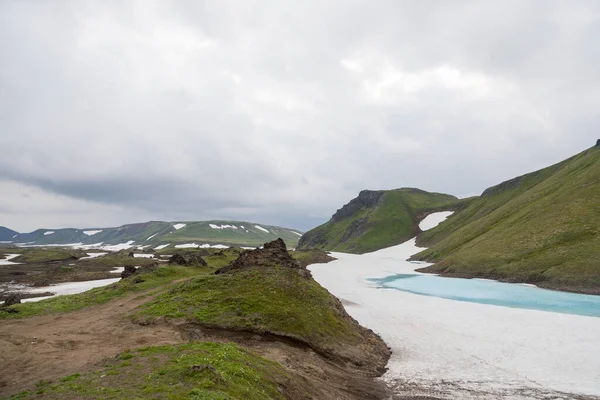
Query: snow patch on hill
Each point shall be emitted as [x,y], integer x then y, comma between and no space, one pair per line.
[222,226]
[261,228]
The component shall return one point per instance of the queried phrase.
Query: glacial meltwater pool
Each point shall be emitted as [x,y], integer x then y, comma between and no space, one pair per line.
[492,292]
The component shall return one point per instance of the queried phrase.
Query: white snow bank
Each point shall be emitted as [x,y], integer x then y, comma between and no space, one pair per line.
[68,288]
[152,236]
[186,246]
[261,228]
[464,350]
[222,226]
[118,247]
[162,246]
[48,233]
[299,234]
[117,270]
[91,233]
[178,226]
[202,246]
[433,220]
[6,260]
[93,255]
[138,255]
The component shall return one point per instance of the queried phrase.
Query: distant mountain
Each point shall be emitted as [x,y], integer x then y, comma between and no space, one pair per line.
[7,235]
[376,219]
[541,228]
[159,233]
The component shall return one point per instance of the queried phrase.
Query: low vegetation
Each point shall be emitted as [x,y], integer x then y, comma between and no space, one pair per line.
[280,301]
[159,278]
[540,228]
[194,371]
[375,220]
[43,254]
[311,256]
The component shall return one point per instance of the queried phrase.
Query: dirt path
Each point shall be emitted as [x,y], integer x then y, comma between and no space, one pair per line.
[52,346]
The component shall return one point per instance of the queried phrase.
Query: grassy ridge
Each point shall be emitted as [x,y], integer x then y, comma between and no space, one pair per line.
[280,301]
[160,278]
[194,371]
[371,221]
[541,228]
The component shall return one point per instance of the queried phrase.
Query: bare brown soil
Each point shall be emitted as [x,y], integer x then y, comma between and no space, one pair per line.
[50,347]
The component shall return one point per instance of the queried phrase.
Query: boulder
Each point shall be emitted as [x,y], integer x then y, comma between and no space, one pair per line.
[273,254]
[12,298]
[187,259]
[128,271]
[598,143]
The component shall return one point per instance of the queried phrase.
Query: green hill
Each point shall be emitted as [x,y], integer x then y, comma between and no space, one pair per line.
[155,233]
[375,220]
[7,235]
[541,228]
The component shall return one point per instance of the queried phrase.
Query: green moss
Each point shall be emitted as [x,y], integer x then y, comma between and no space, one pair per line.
[541,228]
[161,276]
[276,300]
[40,255]
[189,371]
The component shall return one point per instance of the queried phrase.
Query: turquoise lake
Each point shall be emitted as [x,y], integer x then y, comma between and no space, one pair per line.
[491,292]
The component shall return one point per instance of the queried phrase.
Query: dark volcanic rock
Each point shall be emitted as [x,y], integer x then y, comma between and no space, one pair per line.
[271,255]
[187,259]
[365,199]
[12,298]
[598,143]
[128,271]
[356,228]
[144,269]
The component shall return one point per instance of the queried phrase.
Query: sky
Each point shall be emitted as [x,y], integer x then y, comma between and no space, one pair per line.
[280,112]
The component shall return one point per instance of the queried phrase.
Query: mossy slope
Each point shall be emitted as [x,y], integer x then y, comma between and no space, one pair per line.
[542,228]
[275,300]
[195,371]
[375,220]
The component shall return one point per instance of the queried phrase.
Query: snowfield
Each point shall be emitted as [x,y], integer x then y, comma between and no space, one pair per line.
[118,247]
[93,255]
[91,233]
[261,228]
[202,246]
[222,226]
[48,233]
[179,226]
[68,288]
[452,349]
[6,261]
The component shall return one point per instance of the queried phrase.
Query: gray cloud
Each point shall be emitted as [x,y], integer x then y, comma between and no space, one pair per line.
[280,112]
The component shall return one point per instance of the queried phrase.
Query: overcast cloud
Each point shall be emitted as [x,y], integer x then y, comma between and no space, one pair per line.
[281,111]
